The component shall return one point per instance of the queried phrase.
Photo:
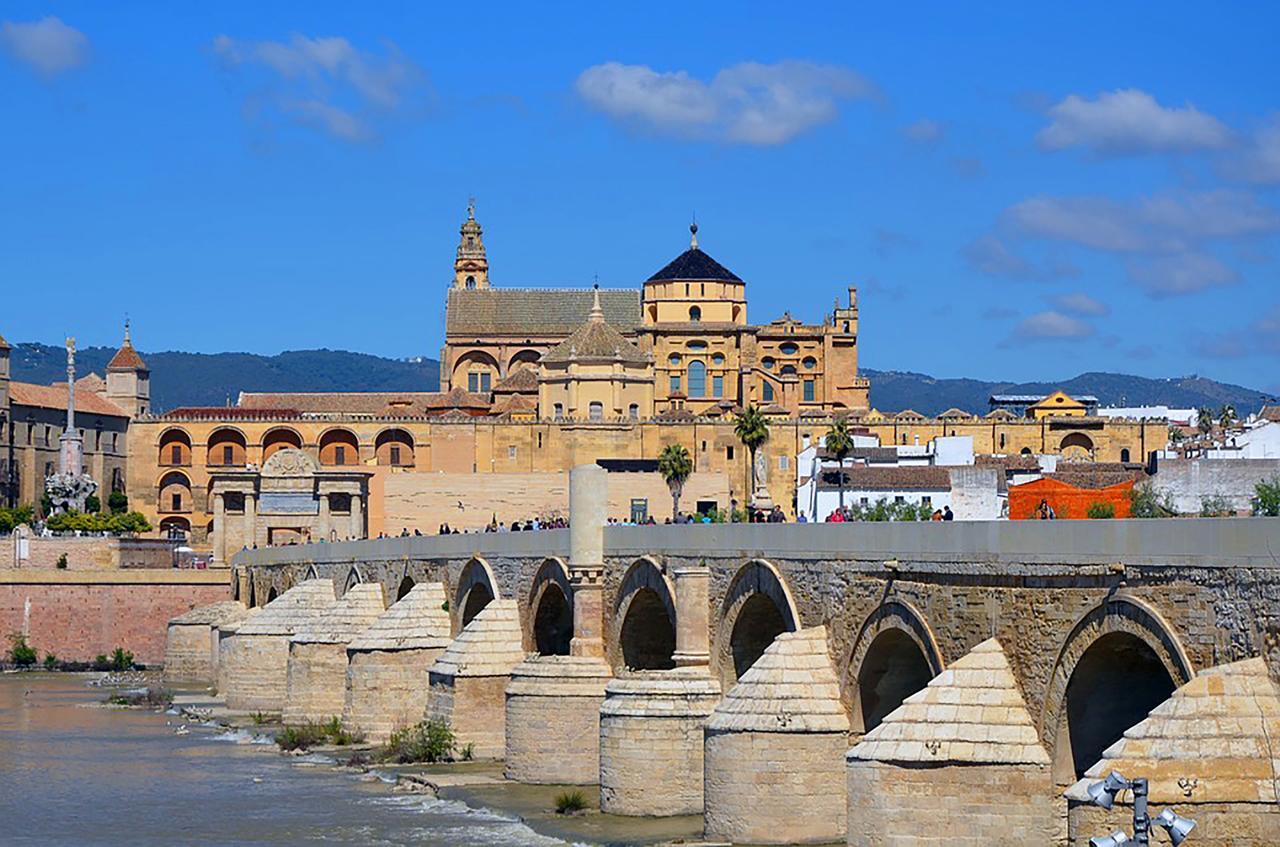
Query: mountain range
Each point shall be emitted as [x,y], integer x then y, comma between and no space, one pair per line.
[215,379]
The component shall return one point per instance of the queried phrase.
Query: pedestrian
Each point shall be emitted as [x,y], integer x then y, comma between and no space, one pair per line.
[947,515]
[801,518]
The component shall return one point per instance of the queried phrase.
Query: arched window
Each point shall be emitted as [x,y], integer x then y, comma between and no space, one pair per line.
[471,282]
[226,447]
[175,448]
[766,392]
[695,314]
[1124,455]
[633,411]
[339,447]
[595,411]
[768,363]
[789,369]
[394,447]
[717,359]
[809,363]
[673,359]
[557,411]
[697,379]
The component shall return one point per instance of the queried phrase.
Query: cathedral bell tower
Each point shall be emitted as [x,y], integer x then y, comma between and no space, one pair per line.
[471,268]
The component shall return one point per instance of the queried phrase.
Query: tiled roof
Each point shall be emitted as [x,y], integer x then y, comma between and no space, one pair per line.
[535,311]
[1000,415]
[55,397]
[595,340]
[908,415]
[524,380]
[126,359]
[514,403]
[456,398]
[1268,413]
[1017,462]
[1216,734]
[231,413]
[380,403]
[908,478]
[90,382]
[954,414]
[694,265]
[972,712]
[791,688]
[675,415]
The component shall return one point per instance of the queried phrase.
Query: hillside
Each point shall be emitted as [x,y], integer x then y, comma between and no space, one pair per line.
[205,379]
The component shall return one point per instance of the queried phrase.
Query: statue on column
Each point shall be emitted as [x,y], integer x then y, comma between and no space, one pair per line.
[70,486]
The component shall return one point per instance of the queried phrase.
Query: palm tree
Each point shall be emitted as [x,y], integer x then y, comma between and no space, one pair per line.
[1204,419]
[675,466]
[839,443]
[752,429]
[1227,416]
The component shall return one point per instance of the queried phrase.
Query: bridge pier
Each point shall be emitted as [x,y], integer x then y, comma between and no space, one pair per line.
[316,675]
[651,748]
[553,702]
[190,654]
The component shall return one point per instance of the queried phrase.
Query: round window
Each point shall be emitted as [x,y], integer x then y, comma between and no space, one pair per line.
[788,349]
[768,363]
[809,363]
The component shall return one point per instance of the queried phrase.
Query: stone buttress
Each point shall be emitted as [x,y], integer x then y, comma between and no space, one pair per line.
[316,680]
[468,682]
[387,664]
[255,664]
[775,746]
[960,758]
[553,702]
[189,652]
[1212,751]
[651,747]
[220,644]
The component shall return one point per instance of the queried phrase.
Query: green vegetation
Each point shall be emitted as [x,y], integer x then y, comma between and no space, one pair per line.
[883,510]
[121,660]
[50,662]
[10,518]
[1266,500]
[259,718]
[839,444]
[1204,420]
[115,524]
[1146,502]
[568,802]
[752,429]
[61,564]
[21,653]
[150,697]
[1227,416]
[428,741]
[1101,511]
[675,466]
[118,502]
[312,734]
[92,504]
[468,751]
[1214,506]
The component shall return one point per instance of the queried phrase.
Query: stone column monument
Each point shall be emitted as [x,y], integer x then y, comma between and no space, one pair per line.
[70,486]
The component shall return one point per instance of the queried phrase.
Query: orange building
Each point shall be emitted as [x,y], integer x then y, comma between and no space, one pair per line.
[1069,500]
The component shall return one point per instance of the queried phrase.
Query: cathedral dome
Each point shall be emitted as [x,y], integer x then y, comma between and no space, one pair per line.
[693,265]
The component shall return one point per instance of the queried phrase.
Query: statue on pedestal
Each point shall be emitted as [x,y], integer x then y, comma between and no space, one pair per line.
[70,486]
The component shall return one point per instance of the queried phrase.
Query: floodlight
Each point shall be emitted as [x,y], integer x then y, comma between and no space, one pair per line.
[1104,793]
[1117,837]
[1175,824]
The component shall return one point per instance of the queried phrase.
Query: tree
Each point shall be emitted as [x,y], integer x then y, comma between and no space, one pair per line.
[118,502]
[1176,435]
[1227,416]
[839,443]
[752,429]
[1267,499]
[1204,419]
[675,466]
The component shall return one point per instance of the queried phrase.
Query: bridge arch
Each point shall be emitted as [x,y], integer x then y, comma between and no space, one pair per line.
[476,588]
[406,585]
[894,656]
[312,573]
[757,608]
[354,578]
[551,609]
[644,619]
[1120,660]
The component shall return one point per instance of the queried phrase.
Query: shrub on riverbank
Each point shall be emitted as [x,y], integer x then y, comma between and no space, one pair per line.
[303,736]
[150,697]
[428,741]
[21,653]
[569,802]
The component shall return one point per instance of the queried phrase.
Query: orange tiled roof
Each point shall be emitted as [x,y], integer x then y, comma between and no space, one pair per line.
[523,381]
[126,359]
[55,397]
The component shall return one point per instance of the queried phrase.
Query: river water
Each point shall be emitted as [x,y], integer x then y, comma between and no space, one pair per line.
[73,773]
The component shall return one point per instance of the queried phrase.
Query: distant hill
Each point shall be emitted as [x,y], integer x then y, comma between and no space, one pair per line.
[214,379]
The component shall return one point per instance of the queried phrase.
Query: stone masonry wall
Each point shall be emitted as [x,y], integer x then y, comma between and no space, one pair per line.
[316,682]
[956,805]
[77,616]
[87,553]
[186,654]
[476,708]
[386,690]
[255,669]
[1217,824]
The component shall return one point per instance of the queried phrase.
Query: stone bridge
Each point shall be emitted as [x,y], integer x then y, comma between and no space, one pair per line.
[1099,621]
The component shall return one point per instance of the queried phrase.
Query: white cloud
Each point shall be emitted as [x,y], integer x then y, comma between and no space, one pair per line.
[1049,326]
[48,46]
[1183,273]
[1165,223]
[992,255]
[748,103]
[1129,122]
[1260,161]
[924,131]
[328,83]
[1080,303]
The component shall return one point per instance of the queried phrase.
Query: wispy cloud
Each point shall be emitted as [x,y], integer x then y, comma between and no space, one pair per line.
[991,255]
[1181,273]
[1080,303]
[1260,336]
[1259,161]
[1048,326]
[326,83]
[1129,122]
[47,46]
[748,103]
[924,132]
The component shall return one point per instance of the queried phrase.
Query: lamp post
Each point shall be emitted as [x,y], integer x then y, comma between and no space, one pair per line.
[1104,793]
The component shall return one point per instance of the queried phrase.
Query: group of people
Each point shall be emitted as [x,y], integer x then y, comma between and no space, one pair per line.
[1044,512]
[529,525]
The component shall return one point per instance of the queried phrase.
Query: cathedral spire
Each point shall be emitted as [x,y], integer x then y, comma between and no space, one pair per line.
[471,268]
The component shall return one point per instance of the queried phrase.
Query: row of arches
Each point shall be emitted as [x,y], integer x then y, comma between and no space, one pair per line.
[478,371]
[1118,662]
[338,446]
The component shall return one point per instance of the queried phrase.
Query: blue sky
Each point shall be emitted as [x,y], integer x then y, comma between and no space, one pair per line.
[1026,192]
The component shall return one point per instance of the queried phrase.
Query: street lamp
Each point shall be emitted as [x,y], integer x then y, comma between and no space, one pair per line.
[1104,793]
